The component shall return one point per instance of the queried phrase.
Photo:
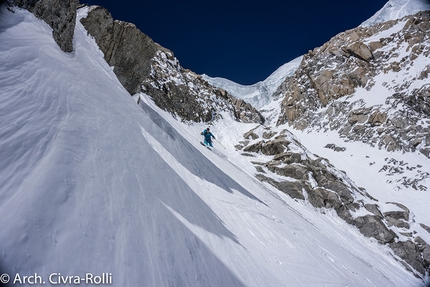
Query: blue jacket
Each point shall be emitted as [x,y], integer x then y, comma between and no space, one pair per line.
[208,135]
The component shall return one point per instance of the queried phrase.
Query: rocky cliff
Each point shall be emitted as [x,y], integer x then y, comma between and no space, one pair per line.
[60,15]
[369,84]
[142,65]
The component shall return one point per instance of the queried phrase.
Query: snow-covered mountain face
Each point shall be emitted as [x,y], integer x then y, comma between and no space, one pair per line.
[369,84]
[259,94]
[396,9]
[91,182]
[361,94]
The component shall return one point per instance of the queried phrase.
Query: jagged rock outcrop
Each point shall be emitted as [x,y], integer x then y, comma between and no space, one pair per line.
[305,176]
[124,46]
[350,85]
[60,15]
[142,65]
[189,96]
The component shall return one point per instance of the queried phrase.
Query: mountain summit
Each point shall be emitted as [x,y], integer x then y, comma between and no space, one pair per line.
[396,9]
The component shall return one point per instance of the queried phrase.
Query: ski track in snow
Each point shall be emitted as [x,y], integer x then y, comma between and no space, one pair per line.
[92,182]
[279,202]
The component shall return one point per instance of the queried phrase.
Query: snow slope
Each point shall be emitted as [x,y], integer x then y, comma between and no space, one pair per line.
[259,94]
[396,9]
[91,182]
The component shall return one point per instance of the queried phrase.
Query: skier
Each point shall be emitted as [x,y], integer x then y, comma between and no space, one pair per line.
[208,137]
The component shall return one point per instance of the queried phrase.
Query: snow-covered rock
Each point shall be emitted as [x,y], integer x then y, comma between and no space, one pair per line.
[369,84]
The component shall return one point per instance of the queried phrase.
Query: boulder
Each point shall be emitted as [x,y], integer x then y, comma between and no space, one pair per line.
[335,147]
[293,171]
[268,134]
[344,213]
[289,157]
[372,226]
[398,218]
[254,147]
[357,118]
[293,188]
[426,255]
[373,208]
[409,251]
[321,197]
[360,50]
[389,143]
[377,118]
[274,147]
[375,46]
[341,189]
[426,152]
[244,112]
[251,134]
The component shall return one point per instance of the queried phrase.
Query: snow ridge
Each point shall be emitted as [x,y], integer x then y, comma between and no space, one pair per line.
[396,9]
[259,94]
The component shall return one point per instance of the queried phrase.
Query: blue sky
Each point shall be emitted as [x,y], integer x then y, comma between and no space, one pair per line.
[244,41]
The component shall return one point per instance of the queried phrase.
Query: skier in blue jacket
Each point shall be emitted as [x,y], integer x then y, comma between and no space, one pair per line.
[208,137]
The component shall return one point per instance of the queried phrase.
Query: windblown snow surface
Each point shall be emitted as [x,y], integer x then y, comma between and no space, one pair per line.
[396,9]
[91,182]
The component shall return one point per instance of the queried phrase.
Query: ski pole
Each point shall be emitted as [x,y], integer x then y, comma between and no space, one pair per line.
[219,143]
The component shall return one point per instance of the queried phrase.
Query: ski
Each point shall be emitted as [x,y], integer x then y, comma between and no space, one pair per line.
[205,146]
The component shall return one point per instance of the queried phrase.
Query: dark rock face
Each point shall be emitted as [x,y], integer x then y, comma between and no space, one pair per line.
[293,189]
[188,96]
[410,252]
[124,46]
[275,147]
[398,218]
[321,197]
[60,15]
[373,208]
[372,226]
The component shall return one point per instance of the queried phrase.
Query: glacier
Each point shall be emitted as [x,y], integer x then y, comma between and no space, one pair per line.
[258,94]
